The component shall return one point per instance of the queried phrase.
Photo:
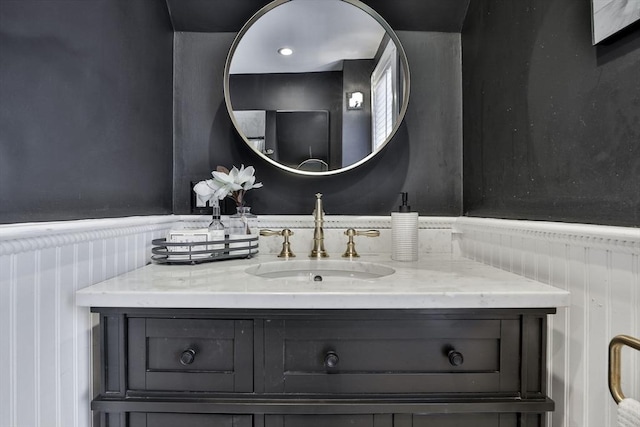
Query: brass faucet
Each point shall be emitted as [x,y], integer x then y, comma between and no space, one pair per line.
[318,250]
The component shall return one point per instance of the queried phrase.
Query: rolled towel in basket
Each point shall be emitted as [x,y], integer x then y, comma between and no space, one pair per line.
[629,413]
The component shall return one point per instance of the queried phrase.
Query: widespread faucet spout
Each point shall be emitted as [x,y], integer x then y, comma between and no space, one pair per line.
[318,250]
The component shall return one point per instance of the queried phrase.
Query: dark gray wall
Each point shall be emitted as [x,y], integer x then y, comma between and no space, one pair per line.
[551,123]
[403,15]
[85,109]
[424,158]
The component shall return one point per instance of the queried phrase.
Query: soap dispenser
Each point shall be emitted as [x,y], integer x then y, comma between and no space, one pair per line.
[404,232]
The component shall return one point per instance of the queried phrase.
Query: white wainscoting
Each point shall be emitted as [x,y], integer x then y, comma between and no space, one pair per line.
[45,340]
[599,265]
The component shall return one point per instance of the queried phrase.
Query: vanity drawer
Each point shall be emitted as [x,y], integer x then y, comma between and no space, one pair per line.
[399,356]
[190,355]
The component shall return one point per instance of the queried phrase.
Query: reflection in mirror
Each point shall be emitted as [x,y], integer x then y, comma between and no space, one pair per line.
[336,97]
[355,100]
[252,125]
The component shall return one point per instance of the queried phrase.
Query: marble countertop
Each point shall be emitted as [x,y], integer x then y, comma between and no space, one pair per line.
[435,281]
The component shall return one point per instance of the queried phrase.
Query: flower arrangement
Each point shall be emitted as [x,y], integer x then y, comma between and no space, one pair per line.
[233,184]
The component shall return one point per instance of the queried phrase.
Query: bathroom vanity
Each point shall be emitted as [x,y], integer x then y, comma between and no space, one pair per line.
[440,342]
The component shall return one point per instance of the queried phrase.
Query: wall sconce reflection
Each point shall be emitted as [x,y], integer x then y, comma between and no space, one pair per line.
[355,100]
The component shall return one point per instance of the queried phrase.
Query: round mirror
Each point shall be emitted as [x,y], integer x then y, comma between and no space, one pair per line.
[316,87]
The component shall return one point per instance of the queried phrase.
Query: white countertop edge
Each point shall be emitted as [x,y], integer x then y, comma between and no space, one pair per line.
[448,300]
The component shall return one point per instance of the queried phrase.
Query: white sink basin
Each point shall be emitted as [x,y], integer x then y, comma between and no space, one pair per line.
[319,270]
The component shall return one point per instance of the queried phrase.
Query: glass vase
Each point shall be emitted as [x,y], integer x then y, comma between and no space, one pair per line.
[240,225]
[239,221]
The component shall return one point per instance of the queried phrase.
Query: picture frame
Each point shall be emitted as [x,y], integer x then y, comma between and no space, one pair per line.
[355,100]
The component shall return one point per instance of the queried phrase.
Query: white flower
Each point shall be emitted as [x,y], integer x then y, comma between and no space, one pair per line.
[207,191]
[227,183]
[246,178]
[237,179]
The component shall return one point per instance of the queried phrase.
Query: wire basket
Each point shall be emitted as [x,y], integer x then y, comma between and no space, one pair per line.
[164,252]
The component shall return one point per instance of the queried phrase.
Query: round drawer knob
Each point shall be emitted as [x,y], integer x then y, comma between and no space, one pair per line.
[331,360]
[188,356]
[455,358]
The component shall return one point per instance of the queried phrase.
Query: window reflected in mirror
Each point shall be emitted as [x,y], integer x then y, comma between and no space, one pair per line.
[384,86]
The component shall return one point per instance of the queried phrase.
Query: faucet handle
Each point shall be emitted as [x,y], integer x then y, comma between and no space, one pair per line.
[351,246]
[286,245]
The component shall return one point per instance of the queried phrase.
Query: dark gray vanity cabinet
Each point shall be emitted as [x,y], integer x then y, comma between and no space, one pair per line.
[313,368]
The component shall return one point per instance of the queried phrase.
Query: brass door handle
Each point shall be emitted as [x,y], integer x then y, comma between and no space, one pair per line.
[615,348]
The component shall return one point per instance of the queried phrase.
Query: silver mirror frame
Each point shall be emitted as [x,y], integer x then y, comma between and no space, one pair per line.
[405,89]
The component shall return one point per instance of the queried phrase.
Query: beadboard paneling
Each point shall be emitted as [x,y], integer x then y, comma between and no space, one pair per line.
[45,368]
[599,265]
